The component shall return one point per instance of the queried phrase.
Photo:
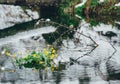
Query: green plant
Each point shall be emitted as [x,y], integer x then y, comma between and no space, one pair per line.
[94,3]
[94,22]
[37,60]
[80,11]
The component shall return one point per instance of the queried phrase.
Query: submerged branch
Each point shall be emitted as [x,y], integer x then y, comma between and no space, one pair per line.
[115,50]
[76,32]
[69,30]
[86,53]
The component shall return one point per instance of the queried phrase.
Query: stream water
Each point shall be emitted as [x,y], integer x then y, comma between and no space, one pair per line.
[91,56]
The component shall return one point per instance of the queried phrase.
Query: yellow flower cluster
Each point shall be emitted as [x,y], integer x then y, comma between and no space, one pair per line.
[20,53]
[14,55]
[46,52]
[53,50]
[51,53]
[8,53]
[34,55]
[52,56]
[40,62]
[43,59]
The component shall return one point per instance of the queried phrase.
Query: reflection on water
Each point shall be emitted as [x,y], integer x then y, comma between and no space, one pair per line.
[17,28]
[99,66]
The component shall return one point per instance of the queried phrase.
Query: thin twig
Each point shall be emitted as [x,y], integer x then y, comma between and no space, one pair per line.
[115,50]
[86,53]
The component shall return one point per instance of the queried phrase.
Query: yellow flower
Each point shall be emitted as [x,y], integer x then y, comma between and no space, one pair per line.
[53,51]
[52,48]
[14,55]
[34,55]
[40,62]
[48,45]
[56,55]
[20,53]
[46,52]
[45,49]
[52,56]
[8,53]
[52,68]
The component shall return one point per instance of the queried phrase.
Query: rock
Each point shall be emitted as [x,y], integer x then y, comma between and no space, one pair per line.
[37,23]
[10,15]
[35,37]
[48,20]
[2,68]
[71,26]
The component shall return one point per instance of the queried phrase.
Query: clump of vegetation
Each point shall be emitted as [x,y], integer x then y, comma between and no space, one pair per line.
[65,14]
[80,11]
[37,60]
[66,19]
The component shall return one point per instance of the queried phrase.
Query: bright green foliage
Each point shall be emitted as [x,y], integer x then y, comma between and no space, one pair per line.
[94,22]
[80,11]
[38,60]
[94,3]
[68,20]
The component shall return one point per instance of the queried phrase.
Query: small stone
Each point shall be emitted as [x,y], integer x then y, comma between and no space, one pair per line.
[48,20]
[71,26]
[3,52]
[38,22]
[2,68]
[42,19]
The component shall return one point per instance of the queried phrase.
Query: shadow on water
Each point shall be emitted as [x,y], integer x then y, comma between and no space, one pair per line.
[58,35]
[17,28]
